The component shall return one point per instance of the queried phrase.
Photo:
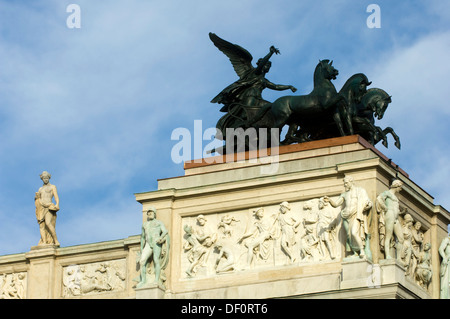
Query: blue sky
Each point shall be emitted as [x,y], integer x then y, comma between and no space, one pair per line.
[96,106]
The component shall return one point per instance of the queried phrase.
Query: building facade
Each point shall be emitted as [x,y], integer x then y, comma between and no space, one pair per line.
[273,224]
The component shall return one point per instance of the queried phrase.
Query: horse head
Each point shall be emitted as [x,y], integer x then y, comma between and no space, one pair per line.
[377,100]
[325,70]
[355,87]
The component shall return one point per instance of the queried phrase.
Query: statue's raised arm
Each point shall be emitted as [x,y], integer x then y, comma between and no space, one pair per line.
[261,64]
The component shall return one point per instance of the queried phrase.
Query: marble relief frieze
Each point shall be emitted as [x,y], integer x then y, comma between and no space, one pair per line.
[94,278]
[13,285]
[277,235]
[305,232]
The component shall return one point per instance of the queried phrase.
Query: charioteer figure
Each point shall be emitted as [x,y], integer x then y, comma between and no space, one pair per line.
[243,98]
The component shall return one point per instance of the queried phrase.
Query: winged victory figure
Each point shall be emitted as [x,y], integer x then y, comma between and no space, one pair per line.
[243,98]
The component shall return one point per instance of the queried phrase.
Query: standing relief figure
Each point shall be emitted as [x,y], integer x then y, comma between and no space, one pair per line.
[356,206]
[326,230]
[46,211]
[444,252]
[257,238]
[407,249]
[287,227]
[309,242]
[388,208]
[196,251]
[416,243]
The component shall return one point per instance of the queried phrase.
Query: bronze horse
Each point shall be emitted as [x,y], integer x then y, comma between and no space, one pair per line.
[352,92]
[363,111]
[374,103]
[321,114]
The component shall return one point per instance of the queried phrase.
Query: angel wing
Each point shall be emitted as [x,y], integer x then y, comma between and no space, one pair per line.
[240,58]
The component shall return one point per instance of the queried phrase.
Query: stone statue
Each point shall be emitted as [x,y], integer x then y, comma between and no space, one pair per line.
[202,231]
[197,251]
[199,242]
[46,211]
[423,270]
[311,216]
[288,228]
[354,214]
[155,245]
[326,230]
[310,242]
[243,98]
[416,243]
[388,208]
[259,236]
[407,248]
[226,224]
[444,252]
[225,261]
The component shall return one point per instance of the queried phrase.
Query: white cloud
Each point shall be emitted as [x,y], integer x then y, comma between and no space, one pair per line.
[417,78]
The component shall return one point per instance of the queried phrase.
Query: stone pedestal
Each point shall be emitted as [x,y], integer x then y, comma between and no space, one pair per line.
[41,277]
[151,291]
[393,274]
[359,273]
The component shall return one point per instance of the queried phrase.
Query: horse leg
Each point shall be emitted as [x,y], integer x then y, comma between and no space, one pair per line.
[395,136]
[371,138]
[338,104]
[348,120]
[376,134]
[281,111]
[289,138]
[338,121]
[381,136]
[294,135]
